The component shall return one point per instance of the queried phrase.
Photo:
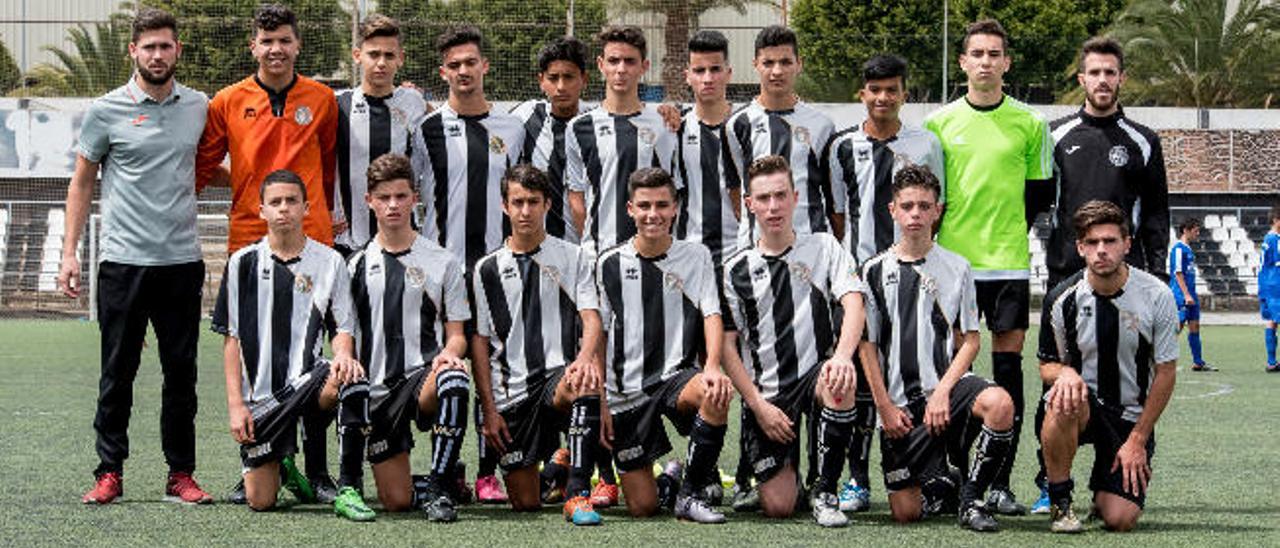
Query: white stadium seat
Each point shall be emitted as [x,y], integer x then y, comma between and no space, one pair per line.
[1212,221]
[1227,247]
[1230,221]
[1239,234]
[1236,260]
[1219,234]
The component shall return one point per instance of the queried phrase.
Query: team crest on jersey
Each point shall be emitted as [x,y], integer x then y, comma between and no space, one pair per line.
[1129,319]
[1086,311]
[302,283]
[496,145]
[399,117]
[250,112]
[801,271]
[802,135]
[673,282]
[929,285]
[552,273]
[647,136]
[1118,155]
[415,276]
[453,130]
[302,116]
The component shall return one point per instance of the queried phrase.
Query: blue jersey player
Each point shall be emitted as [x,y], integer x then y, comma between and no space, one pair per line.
[1269,286]
[1182,279]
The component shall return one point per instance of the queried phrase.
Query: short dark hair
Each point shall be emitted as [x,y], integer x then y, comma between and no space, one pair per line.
[916,176]
[777,35]
[884,66]
[650,177]
[458,35]
[1190,223]
[985,26]
[709,41]
[1099,212]
[378,26]
[149,19]
[282,176]
[1102,45]
[527,176]
[386,168]
[630,35]
[273,16]
[768,165]
[566,48]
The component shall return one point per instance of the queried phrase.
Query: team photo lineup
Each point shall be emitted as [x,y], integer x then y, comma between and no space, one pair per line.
[552,282]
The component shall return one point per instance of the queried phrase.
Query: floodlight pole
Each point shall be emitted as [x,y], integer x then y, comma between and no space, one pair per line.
[945,12]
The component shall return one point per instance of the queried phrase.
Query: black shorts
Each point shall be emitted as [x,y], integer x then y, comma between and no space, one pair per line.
[768,457]
[535,425]
[908,460]
[1005,304]
[390,415]
[639,437]
[1107,431]
[275,420]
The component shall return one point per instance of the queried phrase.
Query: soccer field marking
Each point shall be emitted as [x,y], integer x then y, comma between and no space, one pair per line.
[1222,390]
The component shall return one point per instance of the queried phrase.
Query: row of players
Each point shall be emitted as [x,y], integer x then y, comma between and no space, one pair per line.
[460,151]
[643,324]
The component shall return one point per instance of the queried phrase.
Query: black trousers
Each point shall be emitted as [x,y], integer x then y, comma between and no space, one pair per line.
[130,296]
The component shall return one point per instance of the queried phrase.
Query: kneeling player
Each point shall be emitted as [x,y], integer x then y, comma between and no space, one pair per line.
[658,300]
[534,295]
[278,298]
[1108,351]
[410,305]
[920,301]
[784,292]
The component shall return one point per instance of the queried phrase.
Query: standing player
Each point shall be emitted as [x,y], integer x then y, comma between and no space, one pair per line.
[1109,354]
[1269,287]
[659,305]
[998,160]
[376,118]
[278,299]
[776,122]
[606,145]
[142,136]
[535,296]
[1182,280]
[922,337]
[562,75]
[783,292]
[863,160]
[1100,154]
[469,147]
[410,305]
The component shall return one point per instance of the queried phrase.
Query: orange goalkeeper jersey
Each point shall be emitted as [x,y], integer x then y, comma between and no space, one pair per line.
[264,131]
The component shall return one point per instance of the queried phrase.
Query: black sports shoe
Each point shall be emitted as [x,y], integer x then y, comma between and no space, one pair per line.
[237,496]
[975,517]
[325,489]
[437,504]
[1001,501]
[1203,367]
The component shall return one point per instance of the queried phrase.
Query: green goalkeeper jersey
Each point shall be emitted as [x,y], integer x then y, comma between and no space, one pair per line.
[990,153]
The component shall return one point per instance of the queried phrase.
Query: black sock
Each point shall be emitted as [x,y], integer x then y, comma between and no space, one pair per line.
[993,449]
[451,423]
[1007,371]
[1041,478]
[488,456]
[859,455]
[705,442]
[834,428]
[315,449]
[742,476]
[604,465]
[353,428]
[1061,492]
[584,437]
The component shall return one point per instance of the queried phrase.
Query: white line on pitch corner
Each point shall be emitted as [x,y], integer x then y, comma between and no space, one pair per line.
[1223,389]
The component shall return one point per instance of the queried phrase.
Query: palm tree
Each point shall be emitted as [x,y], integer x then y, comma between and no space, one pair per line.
[1200,53]
[97,62]
[10,74]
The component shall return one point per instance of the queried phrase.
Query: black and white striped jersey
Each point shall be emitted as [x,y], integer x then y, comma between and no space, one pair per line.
[602,151]
[1113,341]
[862,170]
[784,307]
[369,127]
[544,149]
[653,310]
[705,173]
[527,305]
[461,173]
[800,135]
[914,309]
[402,301]
[280,310]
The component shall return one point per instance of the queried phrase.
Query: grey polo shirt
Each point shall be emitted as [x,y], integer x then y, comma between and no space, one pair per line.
[147,152]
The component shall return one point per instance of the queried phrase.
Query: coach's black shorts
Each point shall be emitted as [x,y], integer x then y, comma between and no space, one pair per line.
[768,457]
[1107,431]
[535,425]
[390,432]
[908,460]
[1004,303]
[275,420]
[639,437]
